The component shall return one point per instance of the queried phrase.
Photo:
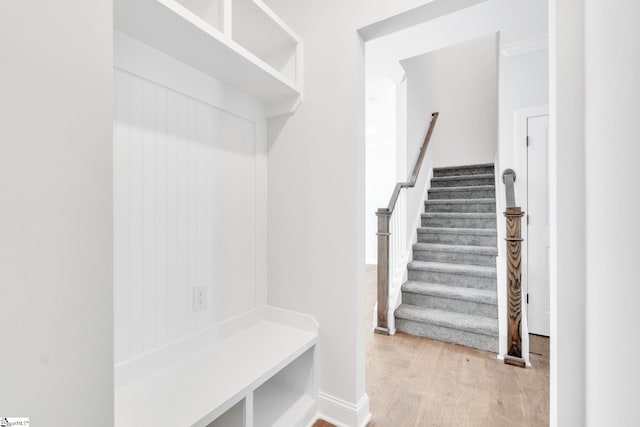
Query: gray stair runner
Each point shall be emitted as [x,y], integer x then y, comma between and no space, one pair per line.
[451,292]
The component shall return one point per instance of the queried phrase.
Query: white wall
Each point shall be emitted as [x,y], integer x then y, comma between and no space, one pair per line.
[517,21]
[523,27]
[522,79]
[460,82]
[316,194]
[612,152]
[56,212]
[524,84]
[467,129]
[316,169]
[380,155]
[187,197]
[332,62]
[567,208]
[594,105]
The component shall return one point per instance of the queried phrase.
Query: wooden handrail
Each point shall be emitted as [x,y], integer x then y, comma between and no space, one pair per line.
[411,182]
[514,240]
[384,217]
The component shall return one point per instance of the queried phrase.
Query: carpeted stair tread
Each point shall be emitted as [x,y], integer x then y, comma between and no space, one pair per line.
[459,214]
[456,215]
[462,188]
[484,204]
[460,201]
[460,177]
[462,193]
[486,220]
[454,252]
[447,291]
[441,267]
[476,250]
[450,294]
[447,230]
[474,166]
[481,169]
[460,321]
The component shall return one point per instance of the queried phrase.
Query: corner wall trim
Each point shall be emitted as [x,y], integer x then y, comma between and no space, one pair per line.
[526,46]
[343,413]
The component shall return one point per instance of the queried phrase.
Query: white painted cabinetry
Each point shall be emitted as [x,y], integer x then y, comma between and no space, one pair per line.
[240,42]
[195,82]
[261,375]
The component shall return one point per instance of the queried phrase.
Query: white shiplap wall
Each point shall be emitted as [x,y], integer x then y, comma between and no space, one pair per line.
[184,210]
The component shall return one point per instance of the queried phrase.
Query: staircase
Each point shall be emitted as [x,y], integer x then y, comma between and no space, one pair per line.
[451,294]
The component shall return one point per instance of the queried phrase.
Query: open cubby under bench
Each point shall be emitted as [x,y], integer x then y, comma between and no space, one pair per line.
[261,375]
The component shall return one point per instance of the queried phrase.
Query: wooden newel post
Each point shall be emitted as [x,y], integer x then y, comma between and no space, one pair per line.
[514,286]
[514,215]
[384,217]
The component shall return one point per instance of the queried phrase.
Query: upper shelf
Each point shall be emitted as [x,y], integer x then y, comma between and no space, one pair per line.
[240,42]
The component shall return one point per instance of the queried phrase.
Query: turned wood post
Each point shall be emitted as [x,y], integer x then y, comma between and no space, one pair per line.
[514,239]
[514,286]
[384,217]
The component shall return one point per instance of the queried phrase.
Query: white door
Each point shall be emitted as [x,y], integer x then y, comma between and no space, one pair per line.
[538,225]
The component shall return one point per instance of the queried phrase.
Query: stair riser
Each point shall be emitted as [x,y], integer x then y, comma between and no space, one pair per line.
[430,221]
[454,257]
[457,239]
[450,304]
[462,182]
[478,282]
[459,194]
[441,333]
[482,170]
[460,207]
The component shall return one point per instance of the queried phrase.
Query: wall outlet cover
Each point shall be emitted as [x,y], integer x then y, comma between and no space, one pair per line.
[199,298]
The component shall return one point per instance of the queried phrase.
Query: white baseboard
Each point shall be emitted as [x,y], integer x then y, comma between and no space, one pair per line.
[343,413]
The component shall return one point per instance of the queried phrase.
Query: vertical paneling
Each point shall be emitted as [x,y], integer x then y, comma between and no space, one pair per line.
[182,201]
[162,210]
[202,147]
[149,213]
[173,141]
[185,203]
[122,217]
[136,205]
[214,124]
[239,246]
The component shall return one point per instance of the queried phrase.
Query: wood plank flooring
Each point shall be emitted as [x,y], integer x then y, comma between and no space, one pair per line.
[420,382]
[415,381]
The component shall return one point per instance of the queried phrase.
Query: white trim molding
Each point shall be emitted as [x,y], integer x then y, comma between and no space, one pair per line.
[526,46]
[342,413]
[522,166]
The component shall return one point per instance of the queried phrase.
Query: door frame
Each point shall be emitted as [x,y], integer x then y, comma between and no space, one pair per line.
[521,159]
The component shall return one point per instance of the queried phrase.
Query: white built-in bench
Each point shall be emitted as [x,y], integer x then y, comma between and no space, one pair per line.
[257,371]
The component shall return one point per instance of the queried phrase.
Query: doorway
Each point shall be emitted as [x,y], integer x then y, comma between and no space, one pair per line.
[538,224]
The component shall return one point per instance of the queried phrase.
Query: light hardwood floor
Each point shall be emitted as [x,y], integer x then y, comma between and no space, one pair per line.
[425,383]
[421,382]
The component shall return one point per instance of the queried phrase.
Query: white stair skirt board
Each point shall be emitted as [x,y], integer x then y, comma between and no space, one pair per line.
[342,413]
